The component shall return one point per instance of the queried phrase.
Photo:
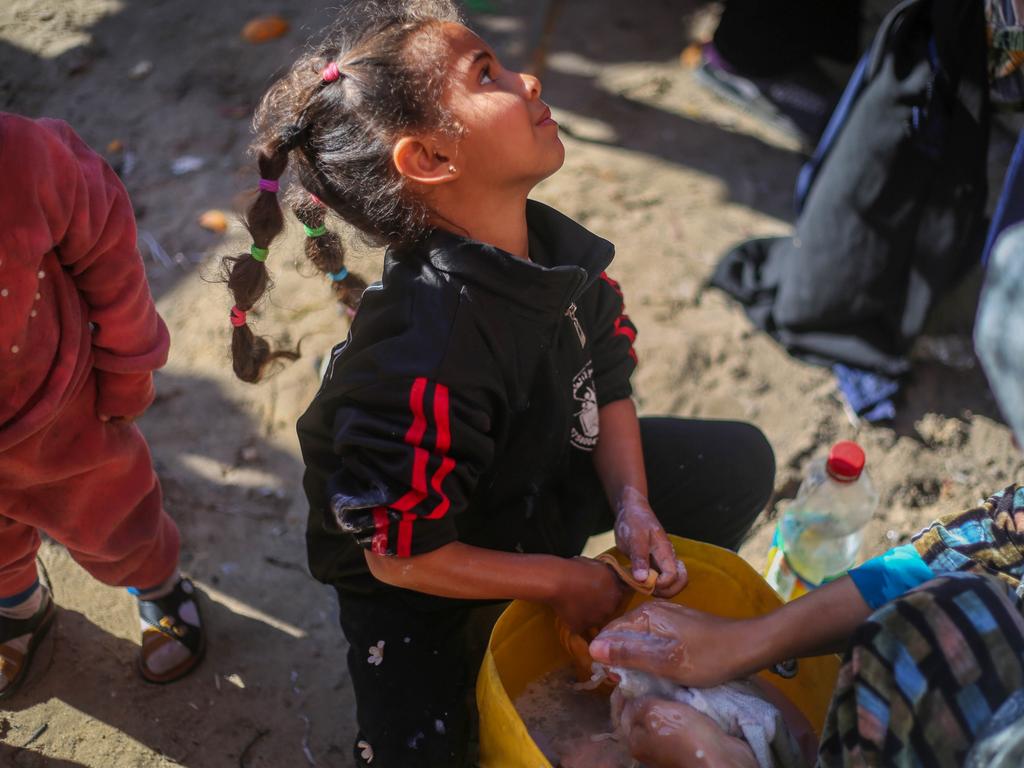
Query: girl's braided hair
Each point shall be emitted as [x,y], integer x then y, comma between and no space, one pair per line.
[339,134]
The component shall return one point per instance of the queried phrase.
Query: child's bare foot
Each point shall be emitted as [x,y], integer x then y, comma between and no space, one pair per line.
[665,734]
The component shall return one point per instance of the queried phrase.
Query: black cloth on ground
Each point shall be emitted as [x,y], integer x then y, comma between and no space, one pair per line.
[895,215]
[767,38]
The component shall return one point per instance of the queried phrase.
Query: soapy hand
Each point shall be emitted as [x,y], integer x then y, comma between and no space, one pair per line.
[666,734]
[639,534]
[686,646]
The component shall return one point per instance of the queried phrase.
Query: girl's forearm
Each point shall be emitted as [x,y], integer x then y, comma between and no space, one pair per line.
[817,623]
[472,573]
[619,457]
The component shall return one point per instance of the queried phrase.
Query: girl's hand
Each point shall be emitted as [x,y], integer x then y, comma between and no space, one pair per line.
[122,396]
[689,647]
[640,536]
[666,734]
[588,596]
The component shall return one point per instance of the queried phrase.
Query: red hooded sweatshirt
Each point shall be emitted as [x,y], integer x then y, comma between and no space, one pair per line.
[73,292]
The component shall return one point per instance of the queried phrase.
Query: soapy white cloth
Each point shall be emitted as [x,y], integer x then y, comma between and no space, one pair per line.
[735,707]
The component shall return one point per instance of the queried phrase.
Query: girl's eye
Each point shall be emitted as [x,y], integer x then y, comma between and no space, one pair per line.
[485,76]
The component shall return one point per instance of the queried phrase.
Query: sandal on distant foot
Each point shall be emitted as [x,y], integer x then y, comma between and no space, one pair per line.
[171,619]
[798,104]
[14,664]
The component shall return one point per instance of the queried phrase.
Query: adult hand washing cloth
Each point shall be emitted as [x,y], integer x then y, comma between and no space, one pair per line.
[736,708]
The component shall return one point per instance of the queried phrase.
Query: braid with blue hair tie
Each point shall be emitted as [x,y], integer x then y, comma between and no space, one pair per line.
[325,250]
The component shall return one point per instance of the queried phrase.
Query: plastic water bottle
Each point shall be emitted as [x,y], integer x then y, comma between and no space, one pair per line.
[819,534]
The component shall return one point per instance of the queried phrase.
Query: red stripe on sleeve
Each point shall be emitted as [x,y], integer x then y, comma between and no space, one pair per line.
[418,492]
[621,329]
[404,548]
[379,545]
[444,441]
[418,485]
[447,465]
[419,420]
[444,435]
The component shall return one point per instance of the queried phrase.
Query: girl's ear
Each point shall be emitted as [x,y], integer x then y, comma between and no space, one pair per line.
[425,162]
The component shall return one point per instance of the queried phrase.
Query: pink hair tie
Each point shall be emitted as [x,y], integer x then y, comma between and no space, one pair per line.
[331,72]
[237,317]
[270,185]
[315,199]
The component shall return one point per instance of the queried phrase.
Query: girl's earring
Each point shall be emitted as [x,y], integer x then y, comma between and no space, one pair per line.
[451,169]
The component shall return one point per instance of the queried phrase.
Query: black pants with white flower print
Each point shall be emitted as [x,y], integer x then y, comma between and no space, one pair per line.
[413,659]
[414,674]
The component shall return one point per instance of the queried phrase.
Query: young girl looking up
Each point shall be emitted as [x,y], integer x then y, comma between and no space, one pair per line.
[476,427]
[79,340]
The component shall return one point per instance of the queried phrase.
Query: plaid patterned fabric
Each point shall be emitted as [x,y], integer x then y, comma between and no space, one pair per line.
[988,539]
[924,674]
[927,671]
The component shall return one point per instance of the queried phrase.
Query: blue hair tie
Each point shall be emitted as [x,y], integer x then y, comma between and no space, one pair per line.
[338,276]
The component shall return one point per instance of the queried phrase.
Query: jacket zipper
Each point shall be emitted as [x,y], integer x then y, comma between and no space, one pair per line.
[571,314]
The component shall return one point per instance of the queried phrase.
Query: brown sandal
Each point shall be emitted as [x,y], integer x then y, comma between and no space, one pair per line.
[14,664]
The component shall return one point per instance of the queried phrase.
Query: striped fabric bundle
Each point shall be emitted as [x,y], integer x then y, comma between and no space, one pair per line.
[926,673]
[988,539]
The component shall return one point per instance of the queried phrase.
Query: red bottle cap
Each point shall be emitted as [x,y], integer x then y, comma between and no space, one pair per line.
[845,461]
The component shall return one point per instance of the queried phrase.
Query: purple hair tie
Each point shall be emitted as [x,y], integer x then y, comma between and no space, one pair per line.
[269,185]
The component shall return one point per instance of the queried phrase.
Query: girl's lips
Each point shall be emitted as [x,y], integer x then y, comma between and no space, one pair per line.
[545,118]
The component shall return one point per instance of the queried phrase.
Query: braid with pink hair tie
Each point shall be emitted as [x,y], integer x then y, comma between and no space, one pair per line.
[331,72]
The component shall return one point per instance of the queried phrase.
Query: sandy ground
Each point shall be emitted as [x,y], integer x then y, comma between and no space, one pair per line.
[654,164]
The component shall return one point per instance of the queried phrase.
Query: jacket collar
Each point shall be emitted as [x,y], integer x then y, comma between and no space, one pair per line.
[568,260]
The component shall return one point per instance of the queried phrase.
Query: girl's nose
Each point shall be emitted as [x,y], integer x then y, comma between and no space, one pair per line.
[533,87]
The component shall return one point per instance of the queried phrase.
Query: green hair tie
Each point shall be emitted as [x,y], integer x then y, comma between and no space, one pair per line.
[317,232]
[260,254]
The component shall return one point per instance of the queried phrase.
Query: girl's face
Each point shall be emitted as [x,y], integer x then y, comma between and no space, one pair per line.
[508,138]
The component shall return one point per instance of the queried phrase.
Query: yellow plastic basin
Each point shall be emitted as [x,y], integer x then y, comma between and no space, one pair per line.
[524,646]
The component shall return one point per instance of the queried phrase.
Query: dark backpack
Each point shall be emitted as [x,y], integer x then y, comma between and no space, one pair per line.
[891,204]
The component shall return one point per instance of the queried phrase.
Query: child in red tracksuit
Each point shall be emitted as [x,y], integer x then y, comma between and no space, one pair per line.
[79,339]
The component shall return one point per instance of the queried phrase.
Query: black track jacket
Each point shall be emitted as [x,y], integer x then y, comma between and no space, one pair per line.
[464,403]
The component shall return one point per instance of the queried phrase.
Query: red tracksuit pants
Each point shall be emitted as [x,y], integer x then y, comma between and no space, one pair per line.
[89,485]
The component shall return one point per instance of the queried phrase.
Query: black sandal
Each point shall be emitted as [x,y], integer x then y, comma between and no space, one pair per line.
[164,625]
[37,625]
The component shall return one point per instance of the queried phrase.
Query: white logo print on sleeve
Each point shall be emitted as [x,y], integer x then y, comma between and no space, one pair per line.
[584,432]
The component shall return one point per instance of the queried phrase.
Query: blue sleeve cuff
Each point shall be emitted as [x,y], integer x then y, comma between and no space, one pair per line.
[888,576]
